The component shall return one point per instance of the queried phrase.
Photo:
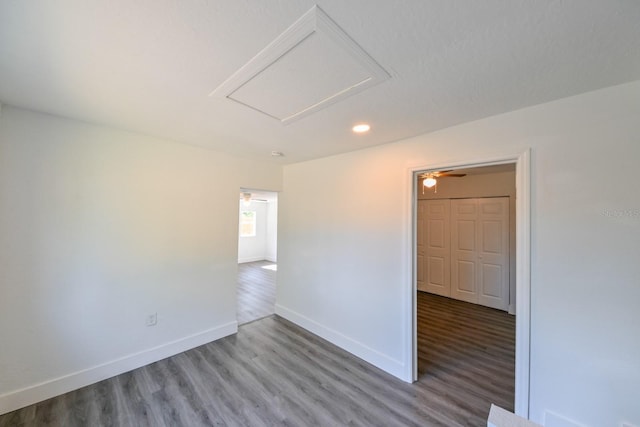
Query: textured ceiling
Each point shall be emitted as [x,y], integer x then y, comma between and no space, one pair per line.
[149,65]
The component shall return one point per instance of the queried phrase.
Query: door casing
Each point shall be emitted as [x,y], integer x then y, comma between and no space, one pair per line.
[523,267]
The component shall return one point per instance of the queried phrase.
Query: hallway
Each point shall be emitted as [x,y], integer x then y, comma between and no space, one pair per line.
[256,291]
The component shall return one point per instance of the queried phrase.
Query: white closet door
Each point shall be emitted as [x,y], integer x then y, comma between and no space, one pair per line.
[480,251]
[464,249]
[437,247]
[421,245]
[493,252]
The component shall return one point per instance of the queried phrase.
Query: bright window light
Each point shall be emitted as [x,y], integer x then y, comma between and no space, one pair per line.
[248,224]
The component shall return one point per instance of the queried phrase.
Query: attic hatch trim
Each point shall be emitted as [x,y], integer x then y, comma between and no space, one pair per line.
[315,20]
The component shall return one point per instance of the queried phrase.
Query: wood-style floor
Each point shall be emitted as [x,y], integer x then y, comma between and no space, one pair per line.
[256,291]
[468,347]
[273,373]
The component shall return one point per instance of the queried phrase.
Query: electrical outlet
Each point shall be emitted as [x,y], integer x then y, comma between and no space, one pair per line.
[152,319]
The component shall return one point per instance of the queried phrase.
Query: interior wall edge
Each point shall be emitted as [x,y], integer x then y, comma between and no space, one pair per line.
[45,390]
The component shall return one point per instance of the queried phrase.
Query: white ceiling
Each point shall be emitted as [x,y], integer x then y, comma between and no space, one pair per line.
[150,65]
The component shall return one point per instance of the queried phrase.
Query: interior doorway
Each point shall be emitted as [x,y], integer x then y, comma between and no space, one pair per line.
[467,220]
[522,267]
[257,254]
[465,240]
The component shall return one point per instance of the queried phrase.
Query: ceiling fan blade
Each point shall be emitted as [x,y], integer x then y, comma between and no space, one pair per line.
[434,174]
[441,174]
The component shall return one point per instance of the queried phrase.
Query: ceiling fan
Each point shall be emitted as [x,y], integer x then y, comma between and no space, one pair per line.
[429,178]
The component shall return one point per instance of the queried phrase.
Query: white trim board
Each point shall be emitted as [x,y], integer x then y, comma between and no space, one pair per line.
[314,21]
[523,267]
[28,396]
[251,259]
[364,352]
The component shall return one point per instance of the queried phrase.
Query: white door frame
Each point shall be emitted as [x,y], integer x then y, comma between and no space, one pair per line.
[523,267]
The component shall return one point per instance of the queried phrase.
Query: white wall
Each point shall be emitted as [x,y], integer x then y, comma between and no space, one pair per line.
[254,248]
[98,229]
[344,265]
[272,229]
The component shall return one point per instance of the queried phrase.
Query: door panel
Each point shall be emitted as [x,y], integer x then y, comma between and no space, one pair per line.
[436,232]
[465,236]
[464,245]
[493,281]
[492,237]
[436,269]
[466,276]
[437,247]
[420,246]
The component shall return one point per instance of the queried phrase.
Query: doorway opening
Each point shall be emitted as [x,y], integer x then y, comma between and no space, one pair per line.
[465,240]
[521,270]
[257,254]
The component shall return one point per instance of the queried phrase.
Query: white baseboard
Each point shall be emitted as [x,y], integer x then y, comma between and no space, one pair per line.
[250,259]
[57,386]
[380,360]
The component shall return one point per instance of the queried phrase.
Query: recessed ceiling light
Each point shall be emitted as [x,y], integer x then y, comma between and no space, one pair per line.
[361,128]
[277,154]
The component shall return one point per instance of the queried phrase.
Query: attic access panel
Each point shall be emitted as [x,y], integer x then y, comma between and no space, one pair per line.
[310,66]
